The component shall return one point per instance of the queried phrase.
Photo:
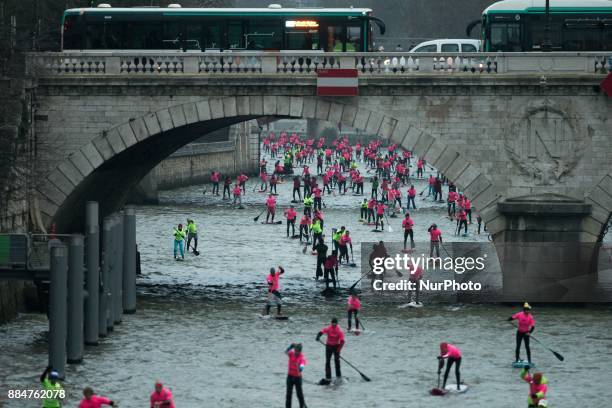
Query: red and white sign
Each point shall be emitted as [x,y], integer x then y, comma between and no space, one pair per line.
[337,82]
[606,85]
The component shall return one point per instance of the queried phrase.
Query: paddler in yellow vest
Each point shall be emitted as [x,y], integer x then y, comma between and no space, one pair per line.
[317,232]
[50,383]
[336,235]
[308,202]
[192,233]
[179,238]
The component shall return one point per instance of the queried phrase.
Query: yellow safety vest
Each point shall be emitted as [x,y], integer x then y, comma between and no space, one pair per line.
[179,235]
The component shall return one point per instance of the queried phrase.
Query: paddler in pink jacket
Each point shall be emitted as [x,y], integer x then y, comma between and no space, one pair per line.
[537,388]
[333,345]
[526,326]
[353,308]
[453,354]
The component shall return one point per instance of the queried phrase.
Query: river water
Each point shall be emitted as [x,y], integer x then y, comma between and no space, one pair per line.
[197,328]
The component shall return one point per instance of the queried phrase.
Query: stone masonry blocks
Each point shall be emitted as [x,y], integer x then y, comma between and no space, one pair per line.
[191,113]
[127,134]
[601,197]
[361,119]
[597,211]
[468,176]
[422,145]
[282,105]
[435,151]
[322,111]
[47,207]
[606,184]
[256,104]
[374,122]
[165,119]
[93,155]
[103,147]
[387,127]
[203,108]
[485,198]
[242,106]
[140,128]
[71,172]
[115,141]
[152,123]
[178,116]
[411,138]
[446,159]
[335,113]
[81,163]
[296,105]
[52,193]
[216,108]
[61,182]
[229,107]
[309,108]
[399,133]
[269,105]
[476,187]
[455,169]
[349,114]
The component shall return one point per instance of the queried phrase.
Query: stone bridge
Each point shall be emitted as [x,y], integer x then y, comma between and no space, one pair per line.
[526,136]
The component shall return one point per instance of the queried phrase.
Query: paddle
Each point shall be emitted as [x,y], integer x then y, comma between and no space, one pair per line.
[196,252]
[259,215]
[558,355]
[438,391]
[352,264]
[205,191]
[365,377]
[358,280]
[388,224]
[421,193]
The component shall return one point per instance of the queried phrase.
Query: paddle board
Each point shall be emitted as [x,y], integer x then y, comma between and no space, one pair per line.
[179,259]
[411,304]
[452,388]
[272,223]
[375,230]
[522,364]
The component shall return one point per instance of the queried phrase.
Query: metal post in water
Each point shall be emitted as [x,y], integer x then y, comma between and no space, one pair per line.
[129,260]
[93,274]
[74,345]
[104,281]
[110,282]
[58,304]
[118,271]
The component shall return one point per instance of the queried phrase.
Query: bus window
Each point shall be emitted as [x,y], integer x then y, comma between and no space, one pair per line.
[264,35]
[143,36]
[335,39]
[505,37]
[235,38]
[353,40]
[302,39]
[427,48]
[104,35]
[606,38]
[71,33]
[577,39]
[450,48]
[211,35]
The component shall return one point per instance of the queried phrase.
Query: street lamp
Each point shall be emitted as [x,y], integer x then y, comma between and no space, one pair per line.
[547,44]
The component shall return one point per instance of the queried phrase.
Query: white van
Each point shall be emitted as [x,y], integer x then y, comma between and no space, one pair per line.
[448,45]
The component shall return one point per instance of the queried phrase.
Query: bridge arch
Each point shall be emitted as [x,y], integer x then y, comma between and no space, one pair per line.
[107,167]
[600,198]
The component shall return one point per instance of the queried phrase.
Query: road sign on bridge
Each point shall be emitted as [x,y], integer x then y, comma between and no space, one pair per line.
[337,82]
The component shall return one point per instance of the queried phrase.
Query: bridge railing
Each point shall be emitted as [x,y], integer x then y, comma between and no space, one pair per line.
[307,63]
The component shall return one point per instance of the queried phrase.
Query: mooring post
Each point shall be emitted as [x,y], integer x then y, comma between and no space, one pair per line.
[58,304]
[103,322]
[74,345]
[93,273]
[129,260]
[118,271]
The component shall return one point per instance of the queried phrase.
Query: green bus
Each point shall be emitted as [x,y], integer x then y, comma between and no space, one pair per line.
[520,25]
[200,29]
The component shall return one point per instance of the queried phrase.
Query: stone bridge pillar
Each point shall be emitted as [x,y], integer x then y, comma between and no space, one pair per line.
[544,254]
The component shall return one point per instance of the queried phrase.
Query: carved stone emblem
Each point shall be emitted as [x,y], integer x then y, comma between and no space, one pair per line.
[546,144]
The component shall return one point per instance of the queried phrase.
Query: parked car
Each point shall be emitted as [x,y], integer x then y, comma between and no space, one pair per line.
[448,45]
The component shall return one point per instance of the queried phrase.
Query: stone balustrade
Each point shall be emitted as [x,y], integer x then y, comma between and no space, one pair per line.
[307,63]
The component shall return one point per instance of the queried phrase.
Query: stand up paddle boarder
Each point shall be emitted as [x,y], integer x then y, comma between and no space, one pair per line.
[526,326]
[297,362]
[271,207]
[538,386]
[274,296]
[353,308]
[161,397]
[333,346]
[453,356]
[179,239]
[92,400]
